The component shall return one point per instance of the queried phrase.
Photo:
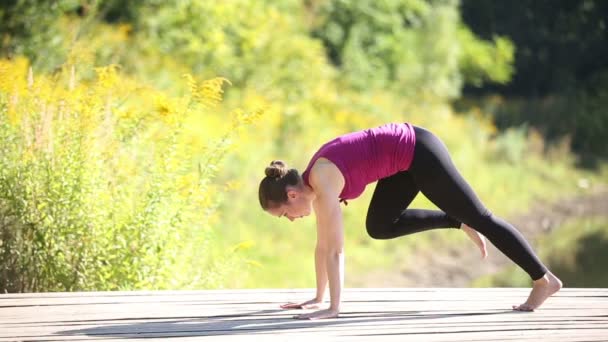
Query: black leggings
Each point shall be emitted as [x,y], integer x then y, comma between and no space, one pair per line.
[433,173]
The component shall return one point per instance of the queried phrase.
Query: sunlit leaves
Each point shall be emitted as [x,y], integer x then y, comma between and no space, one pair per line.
[102,185]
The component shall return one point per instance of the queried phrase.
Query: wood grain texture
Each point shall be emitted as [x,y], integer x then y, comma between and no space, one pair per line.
[385,314]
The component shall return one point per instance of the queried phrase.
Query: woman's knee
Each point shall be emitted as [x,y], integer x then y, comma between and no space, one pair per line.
[377,229]
[481,220]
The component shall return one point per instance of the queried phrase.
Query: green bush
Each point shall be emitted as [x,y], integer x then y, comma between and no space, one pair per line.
[34,28]
[101,187]
[413,47]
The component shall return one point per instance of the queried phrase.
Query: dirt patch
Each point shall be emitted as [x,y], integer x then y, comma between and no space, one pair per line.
[458,265]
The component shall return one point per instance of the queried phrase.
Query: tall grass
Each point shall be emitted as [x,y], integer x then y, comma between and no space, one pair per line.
[102,186]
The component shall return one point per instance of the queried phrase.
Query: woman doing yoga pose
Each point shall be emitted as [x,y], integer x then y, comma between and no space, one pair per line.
[404,160]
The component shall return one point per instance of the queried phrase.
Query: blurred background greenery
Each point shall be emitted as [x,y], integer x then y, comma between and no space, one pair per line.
[135,133]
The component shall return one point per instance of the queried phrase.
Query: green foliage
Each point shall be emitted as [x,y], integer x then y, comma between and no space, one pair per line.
[33,28]
[560,62]
[579,117]
[415,47]
[482,61]
[238,40]
[554,52]
[101,187]
[575,252]
[590,122]
[511,146]
[377,44]
[145,188]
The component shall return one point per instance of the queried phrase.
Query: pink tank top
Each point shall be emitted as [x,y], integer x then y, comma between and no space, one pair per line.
[366,156]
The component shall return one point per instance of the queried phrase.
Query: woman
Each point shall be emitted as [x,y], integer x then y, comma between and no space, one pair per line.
[405,160]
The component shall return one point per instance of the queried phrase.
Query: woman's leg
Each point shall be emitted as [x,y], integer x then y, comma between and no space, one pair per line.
[438,179]
[387,216]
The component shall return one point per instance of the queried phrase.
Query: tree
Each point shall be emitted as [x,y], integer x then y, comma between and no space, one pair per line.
[416,47]
[561,66]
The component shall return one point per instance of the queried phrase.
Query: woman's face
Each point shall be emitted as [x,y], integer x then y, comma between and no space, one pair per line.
[298,205]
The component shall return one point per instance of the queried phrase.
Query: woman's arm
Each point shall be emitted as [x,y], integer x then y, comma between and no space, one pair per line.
[321,271]
[332,236]
[328,182]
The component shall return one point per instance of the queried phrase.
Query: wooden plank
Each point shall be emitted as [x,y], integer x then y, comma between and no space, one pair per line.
[368,314]
[279,296]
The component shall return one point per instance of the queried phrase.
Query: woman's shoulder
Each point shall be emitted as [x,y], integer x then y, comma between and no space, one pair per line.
[325,176]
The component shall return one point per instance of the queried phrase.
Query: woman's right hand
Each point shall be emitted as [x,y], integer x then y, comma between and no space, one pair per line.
[309,304]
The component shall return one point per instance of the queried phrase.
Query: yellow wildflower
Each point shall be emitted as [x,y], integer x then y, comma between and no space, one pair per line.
[209,92]
[163,106]
[107,76]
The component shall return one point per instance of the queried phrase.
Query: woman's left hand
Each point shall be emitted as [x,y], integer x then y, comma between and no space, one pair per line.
[321,314]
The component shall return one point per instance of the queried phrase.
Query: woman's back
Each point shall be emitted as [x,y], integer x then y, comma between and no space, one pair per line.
[366,156]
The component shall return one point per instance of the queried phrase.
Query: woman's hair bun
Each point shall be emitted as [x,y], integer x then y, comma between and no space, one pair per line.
[276,169]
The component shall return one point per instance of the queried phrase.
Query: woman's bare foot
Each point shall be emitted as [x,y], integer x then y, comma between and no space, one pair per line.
[477,238]
[543,288]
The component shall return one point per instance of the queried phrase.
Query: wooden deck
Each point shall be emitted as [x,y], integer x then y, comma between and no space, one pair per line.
[367,315]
